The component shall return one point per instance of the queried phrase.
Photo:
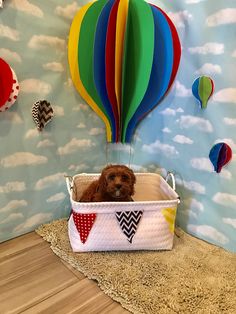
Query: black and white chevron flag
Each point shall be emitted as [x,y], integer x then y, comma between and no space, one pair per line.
[42,113]
[128,222]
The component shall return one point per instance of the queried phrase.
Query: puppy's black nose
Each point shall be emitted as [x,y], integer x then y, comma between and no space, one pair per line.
[118,186]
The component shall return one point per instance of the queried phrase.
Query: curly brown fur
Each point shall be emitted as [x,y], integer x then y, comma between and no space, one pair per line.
[115,184]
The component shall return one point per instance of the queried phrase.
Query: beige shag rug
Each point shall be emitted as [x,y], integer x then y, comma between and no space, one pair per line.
[195,277]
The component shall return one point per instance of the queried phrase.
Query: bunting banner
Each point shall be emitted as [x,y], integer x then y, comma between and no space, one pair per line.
[169,215]
[128,221]
[84,224]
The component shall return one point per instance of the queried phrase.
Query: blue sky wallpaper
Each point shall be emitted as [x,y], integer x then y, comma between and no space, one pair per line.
[176,136]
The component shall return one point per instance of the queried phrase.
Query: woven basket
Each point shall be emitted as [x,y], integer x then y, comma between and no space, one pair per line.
[101,229]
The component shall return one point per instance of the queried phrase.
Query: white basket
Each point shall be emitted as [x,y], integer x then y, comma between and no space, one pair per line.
[155,230]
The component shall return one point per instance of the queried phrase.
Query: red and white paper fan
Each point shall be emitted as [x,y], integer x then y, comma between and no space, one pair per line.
[6,82]
[13,95]
[9,87]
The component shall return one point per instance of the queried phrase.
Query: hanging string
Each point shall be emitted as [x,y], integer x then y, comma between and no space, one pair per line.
[119,155]
[130,153]
[130,157]
[106,153]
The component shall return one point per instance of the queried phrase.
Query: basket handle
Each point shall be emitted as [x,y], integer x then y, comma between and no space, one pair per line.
[69,184]
[171,175]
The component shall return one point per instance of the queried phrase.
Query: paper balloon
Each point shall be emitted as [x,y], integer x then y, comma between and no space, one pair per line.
[123,57]
[13,95]
[220,155]
[202,89]
[6,82]
[42,113]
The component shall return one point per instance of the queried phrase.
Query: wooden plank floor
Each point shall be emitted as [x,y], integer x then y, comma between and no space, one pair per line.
[34,280]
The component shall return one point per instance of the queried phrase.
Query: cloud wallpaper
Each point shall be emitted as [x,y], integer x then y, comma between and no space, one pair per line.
[177,135]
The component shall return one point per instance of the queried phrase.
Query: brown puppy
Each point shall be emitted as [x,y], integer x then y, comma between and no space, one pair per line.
[116,183]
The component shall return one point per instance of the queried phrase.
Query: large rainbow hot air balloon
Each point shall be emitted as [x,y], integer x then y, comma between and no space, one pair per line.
[123,57]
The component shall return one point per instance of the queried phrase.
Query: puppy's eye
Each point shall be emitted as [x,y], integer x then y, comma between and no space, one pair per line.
[125,177]
[111,177]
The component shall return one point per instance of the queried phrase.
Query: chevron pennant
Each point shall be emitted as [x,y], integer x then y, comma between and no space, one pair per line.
[42,113]
[128,222]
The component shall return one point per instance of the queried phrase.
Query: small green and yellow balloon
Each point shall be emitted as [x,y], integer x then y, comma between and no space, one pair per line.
[202,89]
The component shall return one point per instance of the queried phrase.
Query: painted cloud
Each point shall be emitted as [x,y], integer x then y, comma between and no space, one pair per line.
[13,186]
[10,33]
[32,222]
[68,11]
[74,145]
[182,139]
[180,18]
[13,205]
[201,124]
[225,199]
[158,147]
[26,7]
[230,221]
[47,181]
[182,91]
[56,197]
[208,48]
[209,232]
[227,95]
[10,56]
[209,69]
[54,66]
[39,42]
[35,86]
[22,159]
[224,16]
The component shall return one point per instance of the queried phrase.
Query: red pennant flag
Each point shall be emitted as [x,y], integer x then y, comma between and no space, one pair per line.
[83,223]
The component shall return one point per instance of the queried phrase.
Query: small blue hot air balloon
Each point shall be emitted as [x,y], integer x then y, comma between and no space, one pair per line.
[220,155]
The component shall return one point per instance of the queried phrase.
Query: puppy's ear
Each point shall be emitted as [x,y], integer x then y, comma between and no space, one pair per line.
[102,182]
[133,180]
[109,166]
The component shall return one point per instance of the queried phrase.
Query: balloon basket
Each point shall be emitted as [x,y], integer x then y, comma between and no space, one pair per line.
[146,224]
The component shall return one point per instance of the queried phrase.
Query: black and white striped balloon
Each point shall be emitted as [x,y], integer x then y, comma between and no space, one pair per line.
[42,113]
